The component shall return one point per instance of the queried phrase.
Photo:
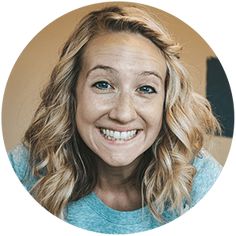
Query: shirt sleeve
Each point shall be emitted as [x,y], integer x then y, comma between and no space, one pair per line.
[208,170]
[19,158]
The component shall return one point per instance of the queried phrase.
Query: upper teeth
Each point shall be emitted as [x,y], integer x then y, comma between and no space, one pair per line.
[116,135]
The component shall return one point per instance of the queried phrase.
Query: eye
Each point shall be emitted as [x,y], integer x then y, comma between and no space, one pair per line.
[103,85]
[146,89]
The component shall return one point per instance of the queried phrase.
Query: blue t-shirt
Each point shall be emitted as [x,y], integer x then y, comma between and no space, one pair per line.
[92,214]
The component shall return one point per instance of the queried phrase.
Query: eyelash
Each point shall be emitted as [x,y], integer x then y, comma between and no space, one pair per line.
[99,85]
[146,89]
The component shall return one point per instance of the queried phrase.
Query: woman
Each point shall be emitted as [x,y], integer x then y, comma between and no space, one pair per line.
[116,145]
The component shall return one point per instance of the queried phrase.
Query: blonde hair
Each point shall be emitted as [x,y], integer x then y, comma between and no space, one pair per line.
[65,173]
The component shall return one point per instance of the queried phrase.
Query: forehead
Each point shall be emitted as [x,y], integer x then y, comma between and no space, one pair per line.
[124,51]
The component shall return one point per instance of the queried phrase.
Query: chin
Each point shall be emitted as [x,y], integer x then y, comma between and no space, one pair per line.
[120,161]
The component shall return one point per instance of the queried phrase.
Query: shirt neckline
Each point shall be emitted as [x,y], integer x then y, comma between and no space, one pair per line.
[116,216]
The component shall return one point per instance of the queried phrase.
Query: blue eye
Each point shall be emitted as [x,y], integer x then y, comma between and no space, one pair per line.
[146,89]
[102,85]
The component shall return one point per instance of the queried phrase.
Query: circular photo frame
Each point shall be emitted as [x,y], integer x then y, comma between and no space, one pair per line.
[113,118]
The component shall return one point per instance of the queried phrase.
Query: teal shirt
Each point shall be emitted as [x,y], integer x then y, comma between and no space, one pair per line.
[92,214]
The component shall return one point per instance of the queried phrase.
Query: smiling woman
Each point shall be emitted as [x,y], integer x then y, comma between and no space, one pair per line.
[116,144]
[126,118]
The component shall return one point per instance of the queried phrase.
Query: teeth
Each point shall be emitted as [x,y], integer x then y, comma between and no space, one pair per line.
[116,135]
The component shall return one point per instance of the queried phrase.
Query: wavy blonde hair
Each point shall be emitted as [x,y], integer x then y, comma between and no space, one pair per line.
[66,172]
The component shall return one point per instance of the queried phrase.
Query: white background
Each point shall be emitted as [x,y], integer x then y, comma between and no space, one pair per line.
[21,20]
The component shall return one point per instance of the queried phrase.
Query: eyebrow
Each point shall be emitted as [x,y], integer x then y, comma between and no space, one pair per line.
[146,73]
[113,70]
[102,67]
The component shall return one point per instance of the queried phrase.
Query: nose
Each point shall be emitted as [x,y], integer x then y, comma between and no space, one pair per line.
[123,110]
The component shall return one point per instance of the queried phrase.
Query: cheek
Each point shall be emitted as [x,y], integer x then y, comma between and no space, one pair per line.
[153,111]
[83,109]
[89,108]
[154,128]
[153,115]
[156,123]
[85,112]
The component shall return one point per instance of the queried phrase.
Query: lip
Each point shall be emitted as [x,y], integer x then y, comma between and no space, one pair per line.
[119,129]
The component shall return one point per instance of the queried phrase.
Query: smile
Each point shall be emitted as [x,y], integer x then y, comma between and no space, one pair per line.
[117,135]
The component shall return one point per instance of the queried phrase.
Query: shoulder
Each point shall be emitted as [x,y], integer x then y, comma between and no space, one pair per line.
[19,158]
[207,171]
[207,166]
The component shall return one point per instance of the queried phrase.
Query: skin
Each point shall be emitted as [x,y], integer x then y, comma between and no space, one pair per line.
[120,88]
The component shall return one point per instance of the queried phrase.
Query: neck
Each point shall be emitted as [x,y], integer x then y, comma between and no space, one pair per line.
[116,178]
[116,186]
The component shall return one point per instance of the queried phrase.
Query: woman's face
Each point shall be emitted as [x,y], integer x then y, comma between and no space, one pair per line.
[120,95]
